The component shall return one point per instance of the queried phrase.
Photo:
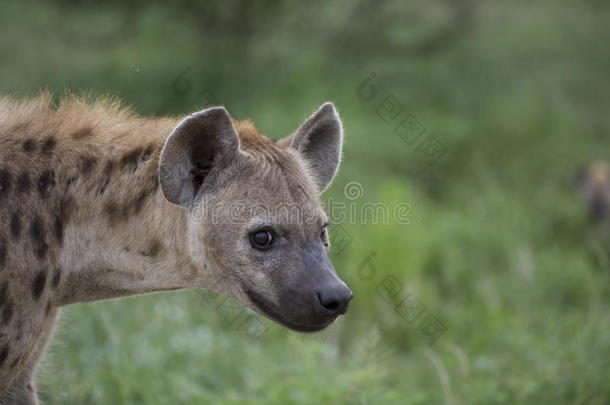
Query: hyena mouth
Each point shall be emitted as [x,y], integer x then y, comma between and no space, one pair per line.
[267,309]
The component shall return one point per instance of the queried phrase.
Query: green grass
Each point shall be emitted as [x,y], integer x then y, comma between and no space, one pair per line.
[498,248]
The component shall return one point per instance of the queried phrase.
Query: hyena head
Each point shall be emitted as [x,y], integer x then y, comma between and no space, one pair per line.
[256,223]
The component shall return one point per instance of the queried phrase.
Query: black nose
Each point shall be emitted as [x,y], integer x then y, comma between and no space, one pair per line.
[334,301]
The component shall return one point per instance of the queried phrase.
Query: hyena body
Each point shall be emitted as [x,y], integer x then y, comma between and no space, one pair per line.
[95,204]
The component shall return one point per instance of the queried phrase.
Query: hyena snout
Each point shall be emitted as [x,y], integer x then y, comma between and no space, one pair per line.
[333,300]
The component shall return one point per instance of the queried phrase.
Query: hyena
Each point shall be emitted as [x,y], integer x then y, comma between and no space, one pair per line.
[594,187]
[97,203]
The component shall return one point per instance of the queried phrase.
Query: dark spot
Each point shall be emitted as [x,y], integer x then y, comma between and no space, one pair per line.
[45,182]
[65,208]
[115,213]
[3,293]
[103,183]
[130,160]
[38,284]
[56,278]
[49,144]
[70,181]
[108,168]
[7,312]
[36,230]
[2,252]
[58,227]
[126,249]
[41,250]
[3,353]
[82,133]
[101,187]
[5,183]
[111,209]
[23,182]
[14,363]
[87,165]
[139,201]
[147,154]
[29,145]
[153,250]
[15,225]
[47,310]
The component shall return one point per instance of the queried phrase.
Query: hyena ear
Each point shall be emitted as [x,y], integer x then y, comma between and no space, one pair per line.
[319,141]
[201,144]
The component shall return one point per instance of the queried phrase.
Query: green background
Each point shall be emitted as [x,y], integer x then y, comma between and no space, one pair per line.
[499,248]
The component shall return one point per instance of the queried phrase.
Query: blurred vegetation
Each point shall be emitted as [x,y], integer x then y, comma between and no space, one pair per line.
[498,248]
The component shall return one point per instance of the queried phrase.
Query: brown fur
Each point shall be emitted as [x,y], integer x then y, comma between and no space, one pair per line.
[83,218]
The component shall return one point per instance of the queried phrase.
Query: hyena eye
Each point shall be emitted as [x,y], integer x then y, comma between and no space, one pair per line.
[261,240]
[324,235]
[324,230]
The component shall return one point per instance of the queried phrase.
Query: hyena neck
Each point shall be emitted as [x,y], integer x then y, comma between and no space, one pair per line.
[121,236]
